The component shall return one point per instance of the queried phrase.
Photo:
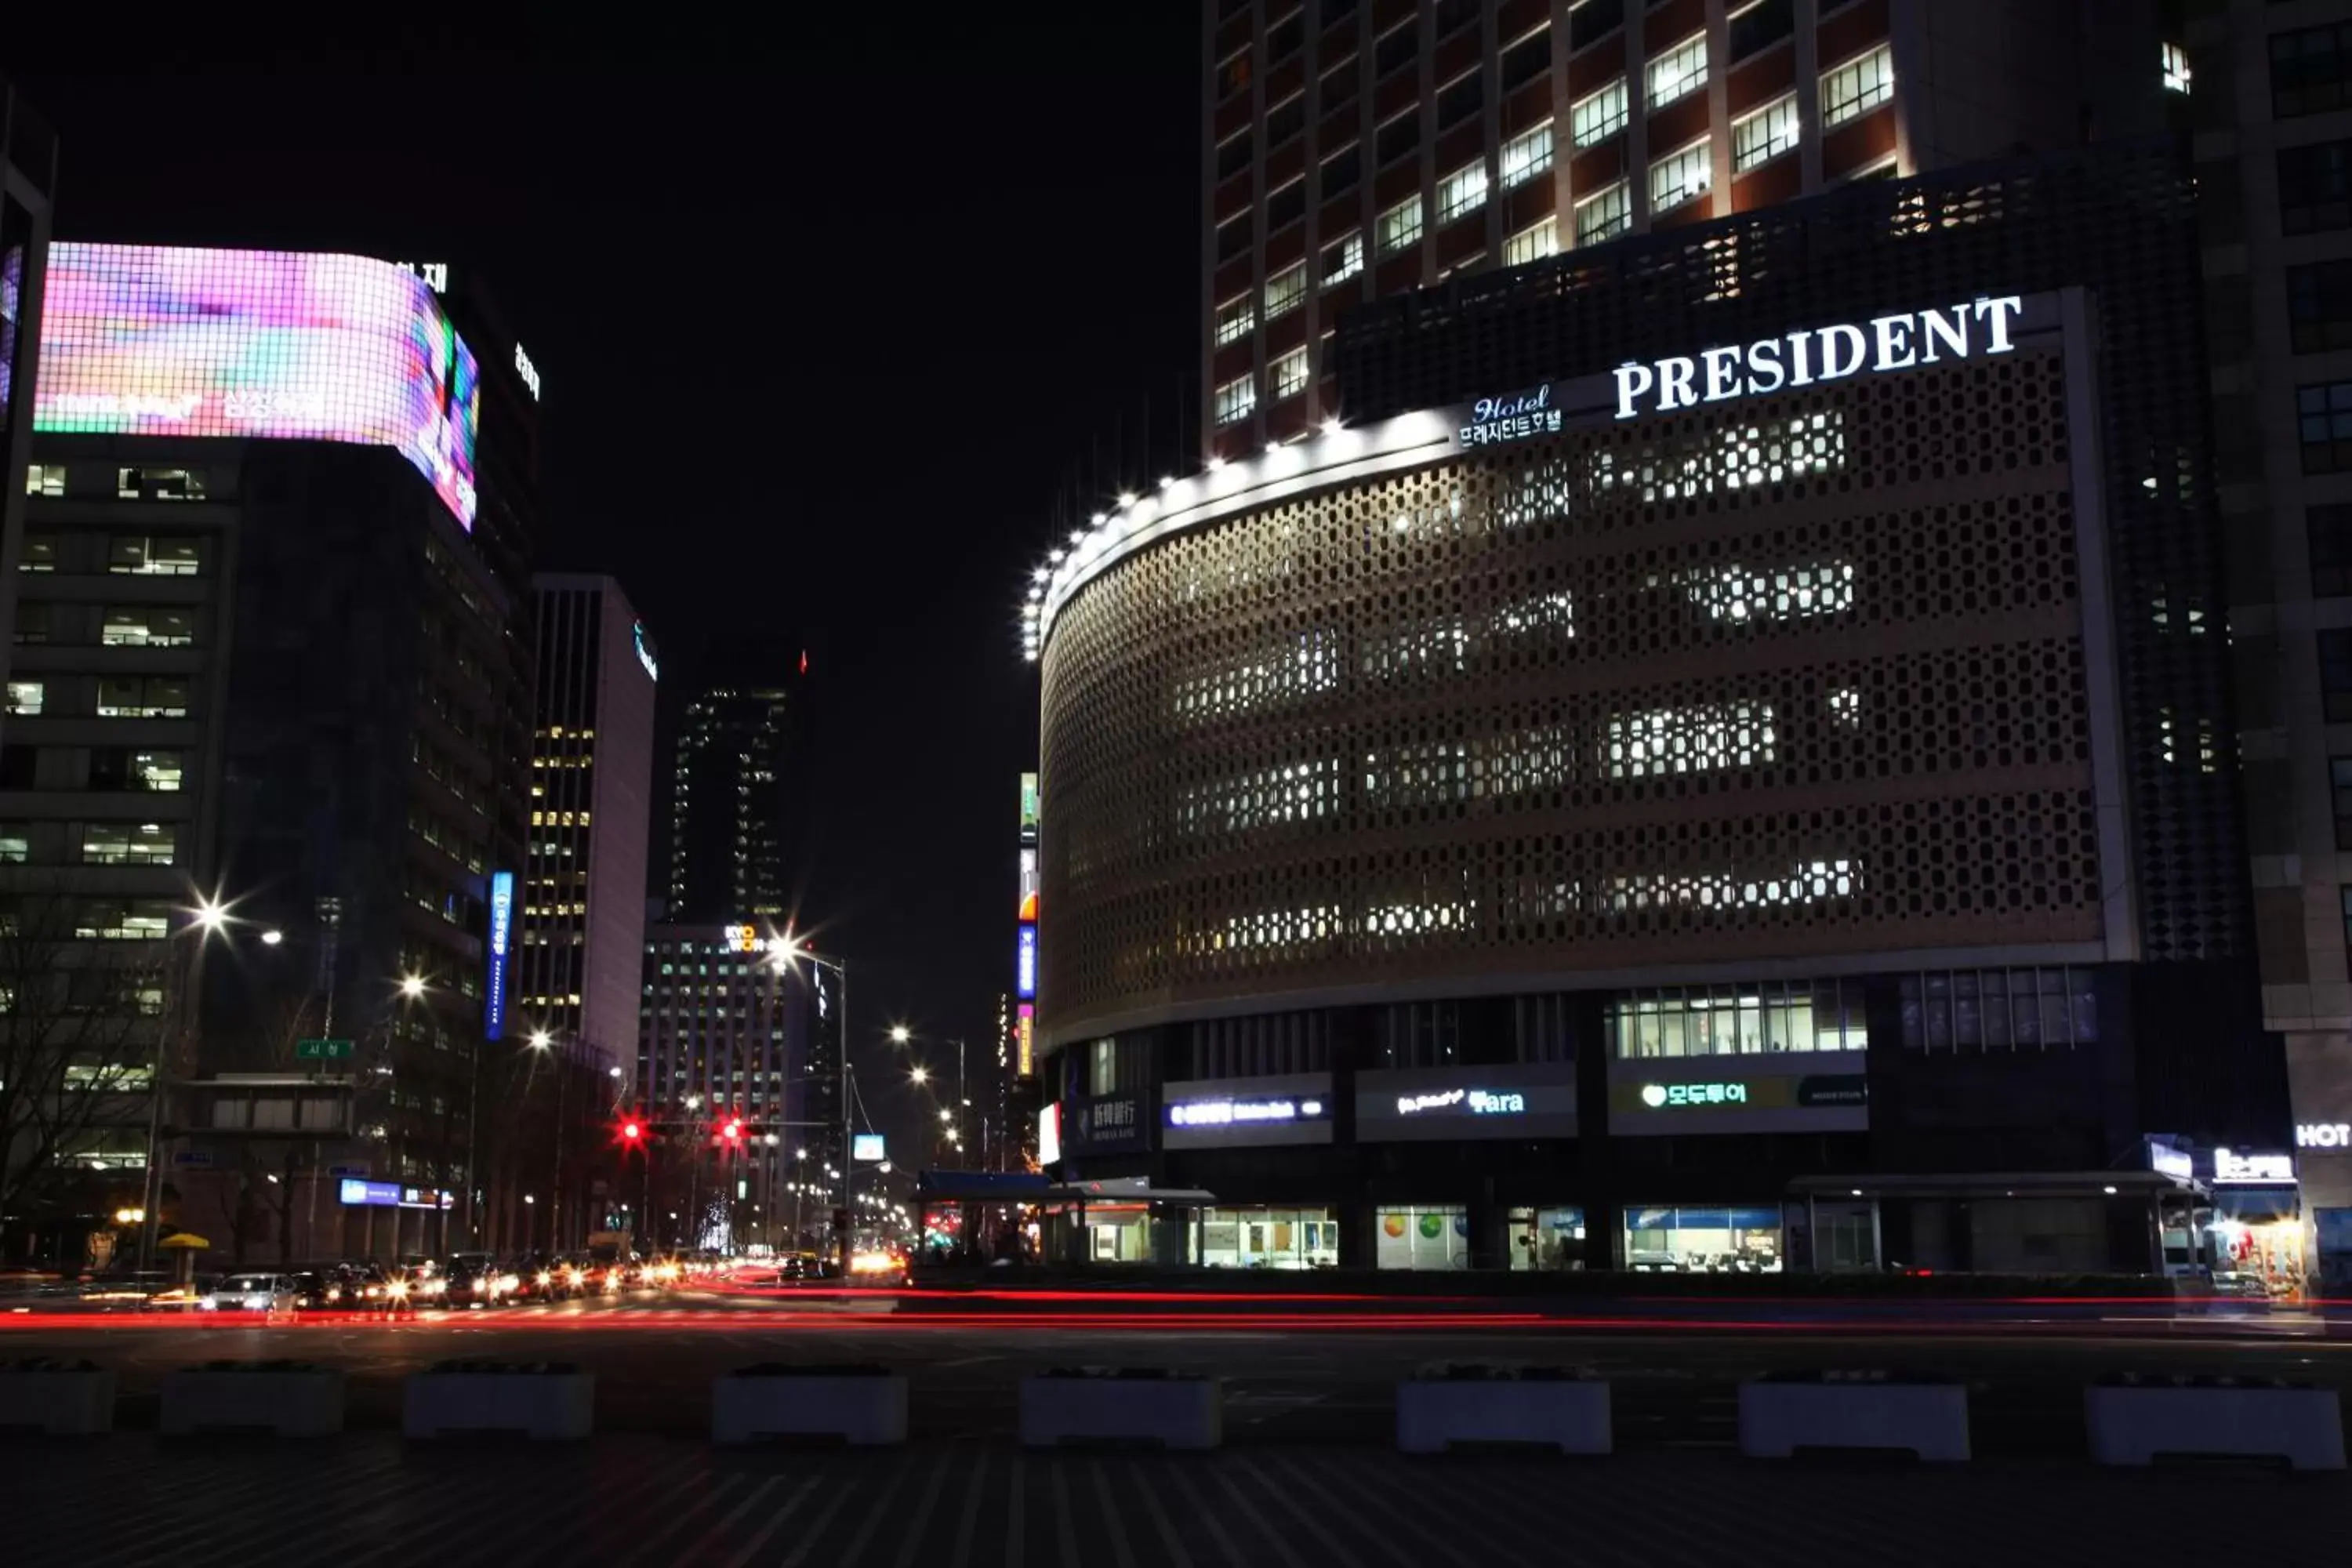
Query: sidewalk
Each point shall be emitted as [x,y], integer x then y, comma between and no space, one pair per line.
[365,1499]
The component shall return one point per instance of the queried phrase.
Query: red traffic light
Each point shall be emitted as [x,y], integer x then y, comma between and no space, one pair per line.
[734,1131]
[631,1132]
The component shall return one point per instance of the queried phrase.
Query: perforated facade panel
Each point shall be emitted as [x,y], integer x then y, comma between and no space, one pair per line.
[1800,678]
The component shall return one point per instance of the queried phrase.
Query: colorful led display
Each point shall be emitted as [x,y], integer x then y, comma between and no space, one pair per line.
[163,341]
[494,1000]
[1025,965]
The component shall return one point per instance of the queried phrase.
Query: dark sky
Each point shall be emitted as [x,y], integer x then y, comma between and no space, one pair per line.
[825,322]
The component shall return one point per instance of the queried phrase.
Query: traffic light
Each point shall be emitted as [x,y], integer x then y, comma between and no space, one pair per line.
[734,1129]
[632,1132]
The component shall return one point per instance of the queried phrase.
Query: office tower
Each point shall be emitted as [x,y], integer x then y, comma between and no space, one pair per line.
[1353,150]
[735,823]
[28,168]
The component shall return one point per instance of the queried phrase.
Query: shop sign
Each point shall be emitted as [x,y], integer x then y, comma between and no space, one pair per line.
[1228,1112]
[1121,1122]
[2273,1170]
[2167,1161]
[1287,1108]
[1449,1102]
[1654,1096]
[1049,1135]
[2323,1135]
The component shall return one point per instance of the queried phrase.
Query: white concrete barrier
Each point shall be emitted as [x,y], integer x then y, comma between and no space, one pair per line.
[1780,1416]
[61,1398]
[1100,1405]
[551,1401]
[291,1399]
[1551,1407]
[2137,1421]
[863,1406]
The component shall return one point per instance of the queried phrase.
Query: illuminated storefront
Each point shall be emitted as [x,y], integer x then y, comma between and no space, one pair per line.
[1269,1239]
[1415,1238]
[1703,1240]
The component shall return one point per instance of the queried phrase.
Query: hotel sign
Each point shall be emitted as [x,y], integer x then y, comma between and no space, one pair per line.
[1903,341]
[1516,417]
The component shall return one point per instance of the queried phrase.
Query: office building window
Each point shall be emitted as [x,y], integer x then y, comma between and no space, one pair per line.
[1595,119]
[1341,169]
[1680,70]
[1857,87]
[129,768]
[26,696]
[2314,184]
[1603,215]
[45,479]
[1401,226]
[159,556]
[1234,155]
[1419,1033]
[127,844]
[147,626]
[1681,176]
[2309,70]
[1737,1020]
[16,842]
[39,554]
[1397,48]
[1286,119]
[1761,25]
[2335,676]
[1532,244]
[2339,791]
[1462,192]
[2329,528]
[2319,306]
[1527,154]
[2000,1009]
[124,920]
[1234,235]
[1527,59]
[32,622]
[1285,289]
[158,484]
[1235,399]
[2176,67]
[1339,85]
[143,697]
[1343,258]
[1760,137]
[1234,319]
[1458,100]
[1286,207]
[1398,138]
[1287,376]
[2322,416]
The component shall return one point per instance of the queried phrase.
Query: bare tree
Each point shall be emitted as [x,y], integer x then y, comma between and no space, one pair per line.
[79,1019]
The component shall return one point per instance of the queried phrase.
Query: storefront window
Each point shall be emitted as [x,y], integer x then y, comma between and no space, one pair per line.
[1421,1238]
[1119,1232]
[1546,1238]
[1703,1241]
[1269,1239]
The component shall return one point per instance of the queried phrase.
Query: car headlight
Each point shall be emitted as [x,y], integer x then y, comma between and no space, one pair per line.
[545,1278]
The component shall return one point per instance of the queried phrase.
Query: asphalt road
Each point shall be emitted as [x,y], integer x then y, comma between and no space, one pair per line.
[1291,1378]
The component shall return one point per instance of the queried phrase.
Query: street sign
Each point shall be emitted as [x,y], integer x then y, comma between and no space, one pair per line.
[342,1171]
[320,1050]
[193,1158]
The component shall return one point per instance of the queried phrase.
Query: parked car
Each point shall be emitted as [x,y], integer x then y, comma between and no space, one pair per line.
[251,1293]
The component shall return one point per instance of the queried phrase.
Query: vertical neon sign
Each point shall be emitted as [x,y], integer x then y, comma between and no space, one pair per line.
[494,1004]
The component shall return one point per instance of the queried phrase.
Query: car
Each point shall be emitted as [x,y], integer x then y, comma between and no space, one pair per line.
[541,1277]
[250,1293]
[477,1284]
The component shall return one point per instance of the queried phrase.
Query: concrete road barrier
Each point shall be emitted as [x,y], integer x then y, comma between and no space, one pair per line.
[1143,1405]
[2138,1420]
[1780,1416]
[292,1399]
[547,1400]
[1449,1406]
[862,1405]
[60,1398]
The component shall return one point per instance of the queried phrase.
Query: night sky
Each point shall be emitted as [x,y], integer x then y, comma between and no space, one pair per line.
[828,325]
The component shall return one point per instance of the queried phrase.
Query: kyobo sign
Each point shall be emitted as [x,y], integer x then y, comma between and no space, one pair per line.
[1903,341]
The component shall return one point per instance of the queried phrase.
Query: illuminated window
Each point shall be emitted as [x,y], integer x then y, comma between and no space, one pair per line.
[16,842]
[1681,176]
[131,919]
[143,697]
[1291,792]
[159,556]
[159,484]
[1235,319]
[1401,226]
[2176,68]
[1462,192]
[146,626]
[1532,243]
[1603,215]
[1764,135]
[127,844]
[45,479]
[1595,119]
[1857,87]
[1343,258]
[1527,155]
[1235,400]
[39,554]
[1288,375]
[1806,882]
[1845,708]
[1679,70]
[1791,593]
[1737,1020]
[1284,290]
[1710,736]
[24,697]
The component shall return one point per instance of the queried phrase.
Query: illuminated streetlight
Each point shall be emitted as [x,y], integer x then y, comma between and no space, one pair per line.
[540,1040]
[900,1033]
[947,1116]
[272,937]
[920,1074]
[210,913]
[412,986]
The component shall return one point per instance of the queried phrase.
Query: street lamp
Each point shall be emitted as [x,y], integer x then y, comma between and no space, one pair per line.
[206,917]
[900,1033]
[412,986]
[787,949]
[272,937]
[920,1074]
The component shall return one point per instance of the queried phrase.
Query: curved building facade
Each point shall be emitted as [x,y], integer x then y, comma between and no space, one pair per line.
[1595,821]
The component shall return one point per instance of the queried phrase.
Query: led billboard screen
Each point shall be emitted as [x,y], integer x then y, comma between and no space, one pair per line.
[494,998]
[1025,965]
[164,341]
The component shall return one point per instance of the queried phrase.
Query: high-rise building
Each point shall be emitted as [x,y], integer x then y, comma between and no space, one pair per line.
[1353,150]
[581,930]
[733,828]
[262,656]
[2271,85]
[29,171]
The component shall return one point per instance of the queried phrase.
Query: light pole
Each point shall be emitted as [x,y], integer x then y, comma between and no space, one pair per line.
[208,916]
[790,950]
[901,1035]
[544,1043]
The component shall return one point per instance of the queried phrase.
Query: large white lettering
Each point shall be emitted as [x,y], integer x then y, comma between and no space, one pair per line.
[1897,342]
